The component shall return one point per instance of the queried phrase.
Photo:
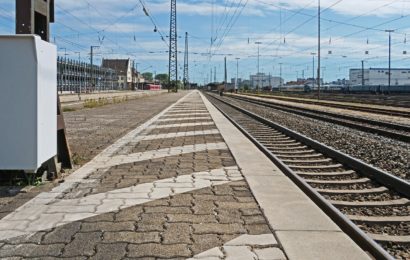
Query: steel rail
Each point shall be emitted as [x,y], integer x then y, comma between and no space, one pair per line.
[319,115]
[359,236]
[357,108]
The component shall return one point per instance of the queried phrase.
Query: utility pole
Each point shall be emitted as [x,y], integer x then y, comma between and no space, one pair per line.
[136,73]
[92,65]
[362,73]
[215,74]
[280,77]
[259,79]
[186,68]
[318,51]
[210,79]
[173,49]
[389,31]
[313,70]
[225,75]
[237,73]
[79,64]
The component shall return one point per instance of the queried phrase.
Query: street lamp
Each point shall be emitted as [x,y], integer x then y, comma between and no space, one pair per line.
[259,79]
[237,72]
[389,31]
[318,50]
[313,69]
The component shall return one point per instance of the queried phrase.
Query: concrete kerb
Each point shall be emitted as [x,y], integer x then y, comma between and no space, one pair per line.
[285,206]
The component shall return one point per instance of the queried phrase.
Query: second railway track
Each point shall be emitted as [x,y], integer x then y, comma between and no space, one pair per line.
[368,204]
[390,130]
[381,111]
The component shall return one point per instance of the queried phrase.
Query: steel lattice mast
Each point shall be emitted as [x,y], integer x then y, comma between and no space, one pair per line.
[173,50]
[186,68]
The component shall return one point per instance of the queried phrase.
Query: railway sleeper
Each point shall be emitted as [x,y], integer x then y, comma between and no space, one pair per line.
[398,202]
[344,173]
[364,191]
[380,220]
[326,160]
[316,167]
[337,182]
[389,238]
[315,155]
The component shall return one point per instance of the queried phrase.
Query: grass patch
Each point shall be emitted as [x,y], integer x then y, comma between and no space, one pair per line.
[68,109]
[93,103]
[78,159]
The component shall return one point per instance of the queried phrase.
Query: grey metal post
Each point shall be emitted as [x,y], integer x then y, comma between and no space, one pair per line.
[389,76]
[259,79]
[362,73]
[318,53]
[237,73]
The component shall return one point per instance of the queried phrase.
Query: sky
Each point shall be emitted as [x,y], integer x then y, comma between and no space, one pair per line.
[287,32]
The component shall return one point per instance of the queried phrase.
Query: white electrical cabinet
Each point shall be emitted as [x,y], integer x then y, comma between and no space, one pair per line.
[28,102]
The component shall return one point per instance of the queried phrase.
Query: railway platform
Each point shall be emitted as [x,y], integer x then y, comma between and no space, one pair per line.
[185,184]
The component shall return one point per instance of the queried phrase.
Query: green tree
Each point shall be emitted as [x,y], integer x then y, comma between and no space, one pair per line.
[162,78]
[148,76]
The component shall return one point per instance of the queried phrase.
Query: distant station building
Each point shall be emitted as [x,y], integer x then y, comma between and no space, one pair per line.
[379,77]
[128,77]
[262,80]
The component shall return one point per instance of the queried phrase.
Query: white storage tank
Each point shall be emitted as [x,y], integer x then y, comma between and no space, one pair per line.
[28,102]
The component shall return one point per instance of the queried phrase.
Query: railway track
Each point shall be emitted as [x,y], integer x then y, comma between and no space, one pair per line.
[400,100]
[342,106]
[391,130]
[370,205]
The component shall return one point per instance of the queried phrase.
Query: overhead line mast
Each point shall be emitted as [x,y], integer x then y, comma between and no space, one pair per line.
[186,68]
[173,50]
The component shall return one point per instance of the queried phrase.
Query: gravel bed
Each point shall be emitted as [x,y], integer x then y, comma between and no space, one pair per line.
[328,178]
[399,251]
[356,186]
[362,197]
[388,154]
[376,211]
[391,229]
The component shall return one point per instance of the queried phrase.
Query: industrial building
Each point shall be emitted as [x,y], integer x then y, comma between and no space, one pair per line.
[379,77]
[261,80]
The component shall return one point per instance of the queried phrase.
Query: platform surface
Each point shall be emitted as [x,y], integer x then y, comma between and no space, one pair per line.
[186,184]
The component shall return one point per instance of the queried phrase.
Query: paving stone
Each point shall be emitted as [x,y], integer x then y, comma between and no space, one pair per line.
[177,233]
[158,250]
[131,214]
[102,217]
[210,228]
[132,237]
[228,216]
[205,242]
[110,251]
[83,244]
[189,218]
[253,240]
[226,198]
[223,190]
[271,253]
[31,250]
[176,210]
[214,253]
[251,211]
[256,219]
[204,207]
[257,229]
[238,253]
[108,226]
[31,239]
[182,200]
[63,234]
